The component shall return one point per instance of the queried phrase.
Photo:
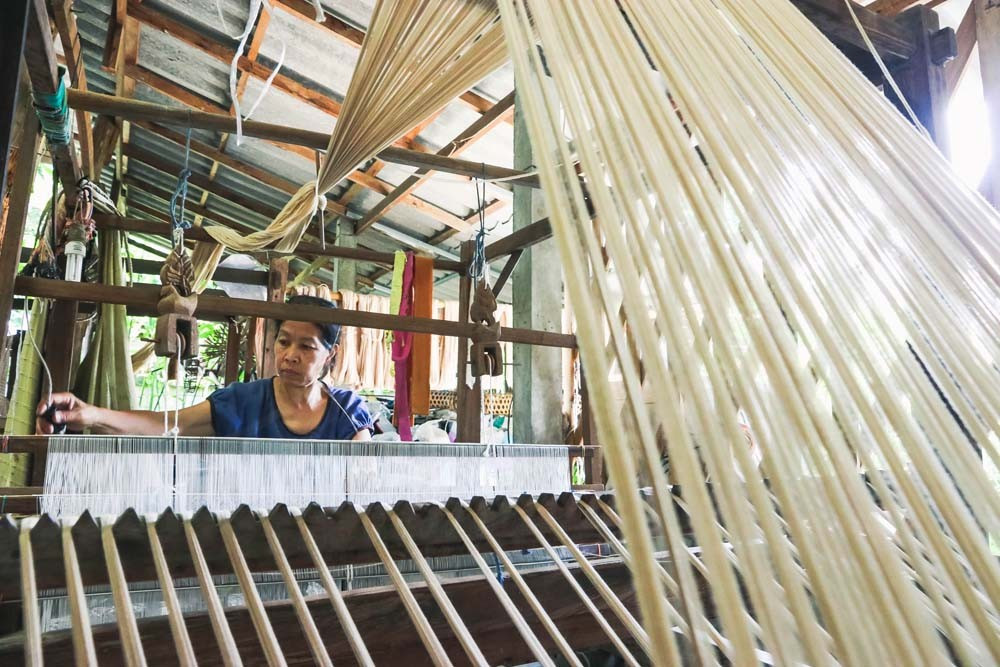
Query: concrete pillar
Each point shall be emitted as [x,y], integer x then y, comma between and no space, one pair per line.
[537,288]
[345,272]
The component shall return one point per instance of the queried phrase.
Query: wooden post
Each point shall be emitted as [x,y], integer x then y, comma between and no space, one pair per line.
[277,284]
[13,218]
[593,460]
[13,27]
[232,353]
[988,38]
[922,78]
[60,339]
[468,399]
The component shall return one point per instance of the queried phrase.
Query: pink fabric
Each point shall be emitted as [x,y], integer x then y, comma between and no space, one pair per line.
[402,346]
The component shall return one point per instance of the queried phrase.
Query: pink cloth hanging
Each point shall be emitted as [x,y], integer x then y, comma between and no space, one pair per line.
[402,346]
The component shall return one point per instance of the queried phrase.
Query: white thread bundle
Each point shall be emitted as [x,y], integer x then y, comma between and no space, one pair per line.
[107,474]
[770,234]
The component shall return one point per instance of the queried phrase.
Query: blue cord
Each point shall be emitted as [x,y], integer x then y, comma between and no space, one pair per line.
[179,197]
[477,265]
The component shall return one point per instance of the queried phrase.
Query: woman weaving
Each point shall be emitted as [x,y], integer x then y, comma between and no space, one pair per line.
[294,404]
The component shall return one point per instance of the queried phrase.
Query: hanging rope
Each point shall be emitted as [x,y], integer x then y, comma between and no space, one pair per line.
[477,266]
[179,197]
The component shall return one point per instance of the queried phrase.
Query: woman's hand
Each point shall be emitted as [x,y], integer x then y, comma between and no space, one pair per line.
[69,411]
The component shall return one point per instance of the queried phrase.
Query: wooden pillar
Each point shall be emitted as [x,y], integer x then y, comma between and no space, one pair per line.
[988,39]
[277,284]
[469,399]
[232,352]
[12,220]
[594,458]
[60,341]
[922,78]
[13,27]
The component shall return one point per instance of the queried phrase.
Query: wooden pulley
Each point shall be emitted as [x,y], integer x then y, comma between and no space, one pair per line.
[486,355]
[176,326]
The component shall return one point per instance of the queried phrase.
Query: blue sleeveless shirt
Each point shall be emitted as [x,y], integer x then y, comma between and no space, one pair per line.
[249,410]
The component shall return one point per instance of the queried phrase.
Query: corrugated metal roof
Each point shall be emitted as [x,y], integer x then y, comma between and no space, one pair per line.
[316,58]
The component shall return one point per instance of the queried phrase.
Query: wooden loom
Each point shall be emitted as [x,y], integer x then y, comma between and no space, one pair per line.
[433,621]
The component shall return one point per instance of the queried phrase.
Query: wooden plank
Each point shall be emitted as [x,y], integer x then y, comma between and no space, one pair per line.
[13,30]
[12,224]
[277,285]
[40,57]
[205,120]
[965,36]
[217,306]
[480,127]
[69,36]
[508,269]
[893,7]
[988,37]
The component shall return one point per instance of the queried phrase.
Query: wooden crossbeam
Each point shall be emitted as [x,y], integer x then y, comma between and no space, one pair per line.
[219,122]
[213,306]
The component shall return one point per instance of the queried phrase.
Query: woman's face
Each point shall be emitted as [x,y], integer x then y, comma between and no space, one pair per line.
[299,354]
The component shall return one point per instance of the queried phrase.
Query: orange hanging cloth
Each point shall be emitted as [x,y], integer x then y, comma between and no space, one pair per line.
[420,360]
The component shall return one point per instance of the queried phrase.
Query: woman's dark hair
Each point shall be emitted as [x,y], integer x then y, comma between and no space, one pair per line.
[328,333]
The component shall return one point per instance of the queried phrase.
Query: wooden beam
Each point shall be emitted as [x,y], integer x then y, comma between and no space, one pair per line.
[113,41]
[965,36]
[139,226]
[277,285]
[471,219]
[508,269]
[40,57]
[893,7]
[12,220]
[523,238]
[988,36]
[70,38]
[922,77]
[232,353]
[833,18]
[468,399]
[458,145]
[209,306]
[60,341]
[203,120]
[13,31]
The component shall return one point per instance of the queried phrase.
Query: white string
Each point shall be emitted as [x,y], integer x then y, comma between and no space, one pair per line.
[41,357]
[255,9]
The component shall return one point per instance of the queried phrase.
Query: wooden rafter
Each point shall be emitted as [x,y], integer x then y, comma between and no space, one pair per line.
[893,7]
[458,145]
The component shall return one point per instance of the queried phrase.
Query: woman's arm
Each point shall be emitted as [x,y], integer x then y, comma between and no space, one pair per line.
[363,434]
[78,415]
